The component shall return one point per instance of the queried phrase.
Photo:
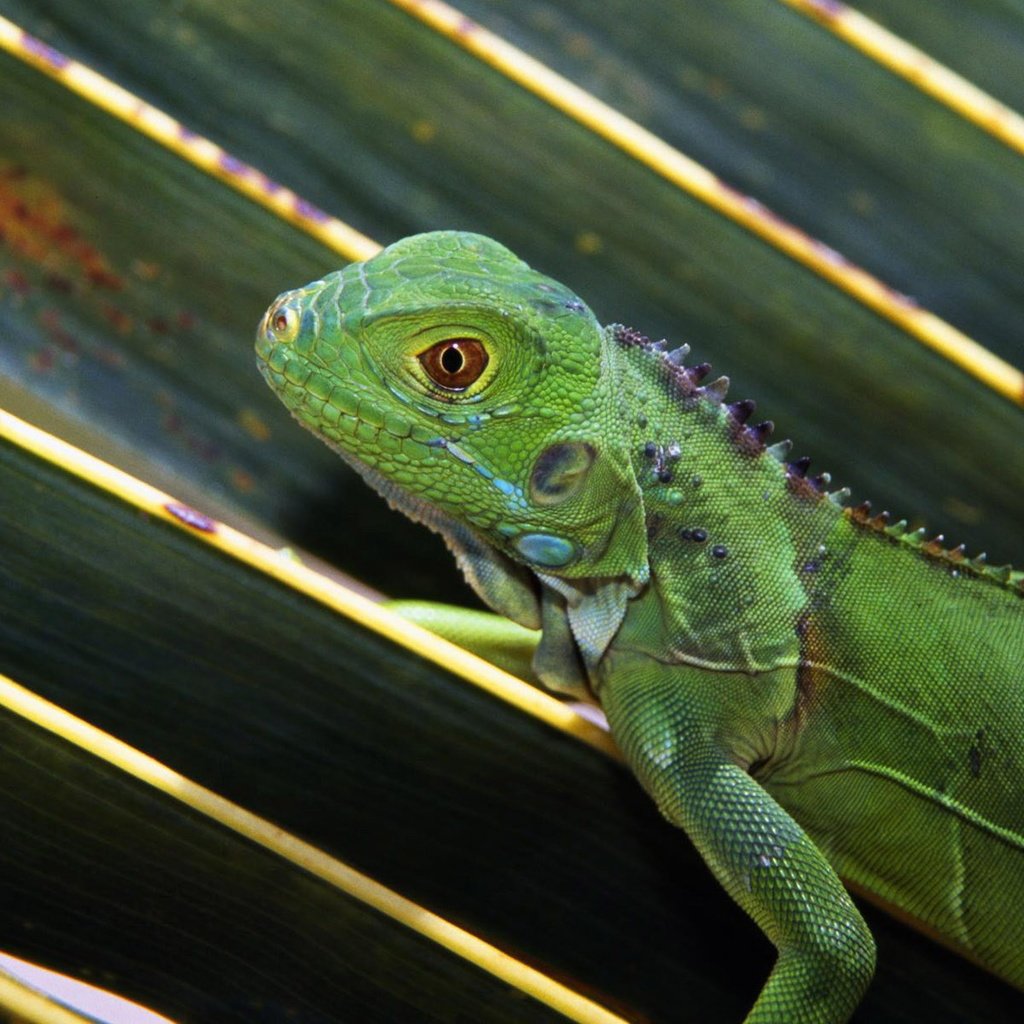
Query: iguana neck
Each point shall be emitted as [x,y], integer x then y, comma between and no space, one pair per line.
[739,540]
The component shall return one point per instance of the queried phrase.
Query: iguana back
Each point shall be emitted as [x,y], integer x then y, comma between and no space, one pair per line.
[897,739]
[907,754]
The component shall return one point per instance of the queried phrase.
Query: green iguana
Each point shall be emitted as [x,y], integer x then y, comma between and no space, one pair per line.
[810,691]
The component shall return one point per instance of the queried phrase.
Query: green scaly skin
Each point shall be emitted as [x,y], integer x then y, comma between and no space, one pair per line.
[808,691]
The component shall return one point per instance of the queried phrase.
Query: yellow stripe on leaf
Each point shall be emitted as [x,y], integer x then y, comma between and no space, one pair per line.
[173,135]
[146,769]
[684,172]
[914,65]
[307,581]
[24,1004]
[598,117]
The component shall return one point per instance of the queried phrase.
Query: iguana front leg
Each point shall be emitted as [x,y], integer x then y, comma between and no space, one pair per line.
[679,747]
[665,723]
[503,643]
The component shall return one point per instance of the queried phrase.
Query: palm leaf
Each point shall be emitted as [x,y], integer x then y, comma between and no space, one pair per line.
[129,284]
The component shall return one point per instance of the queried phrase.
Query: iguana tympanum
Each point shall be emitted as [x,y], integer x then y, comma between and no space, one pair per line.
[810,691]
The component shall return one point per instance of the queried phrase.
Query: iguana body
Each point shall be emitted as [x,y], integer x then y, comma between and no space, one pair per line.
[803,688]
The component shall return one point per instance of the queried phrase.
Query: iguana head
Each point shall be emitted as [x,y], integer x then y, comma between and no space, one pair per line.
[460,380]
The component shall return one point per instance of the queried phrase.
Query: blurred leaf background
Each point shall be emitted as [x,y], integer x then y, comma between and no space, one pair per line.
[130,285]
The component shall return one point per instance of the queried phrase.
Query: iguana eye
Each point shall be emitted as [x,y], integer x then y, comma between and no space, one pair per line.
[455,363]
[284,323]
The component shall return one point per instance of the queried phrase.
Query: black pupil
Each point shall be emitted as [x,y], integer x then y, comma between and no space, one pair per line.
[452,360]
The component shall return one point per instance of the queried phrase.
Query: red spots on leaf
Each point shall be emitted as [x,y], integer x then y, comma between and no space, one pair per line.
[35,225]
[253,424]
[17,282]
[43,361]
[242,480]
[175,425]
[109,357]
[206,451]
[58,283]
[64,234]
[62,338]
[121,321]
[101,277]
[56,266]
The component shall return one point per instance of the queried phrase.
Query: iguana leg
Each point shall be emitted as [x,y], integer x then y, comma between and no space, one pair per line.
[762,857]
[503,643]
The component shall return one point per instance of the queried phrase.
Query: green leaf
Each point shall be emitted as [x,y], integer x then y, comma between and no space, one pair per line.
[130,285]
[177,913]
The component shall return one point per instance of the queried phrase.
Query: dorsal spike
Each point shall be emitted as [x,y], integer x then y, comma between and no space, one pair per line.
[897,529]
[741,411]
[630,337]
[780,449]
[839,497]
[658,346]
[800,466]
[822,480]
[698,373]
[761,430]
[678,355]
[717,389]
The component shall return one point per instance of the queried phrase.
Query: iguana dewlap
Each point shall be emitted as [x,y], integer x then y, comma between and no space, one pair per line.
[808,691]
